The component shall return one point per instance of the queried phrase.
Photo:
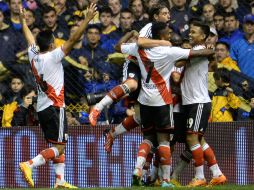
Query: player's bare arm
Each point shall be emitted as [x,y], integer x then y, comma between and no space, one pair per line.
[150,43]
[201,53]
[68,45]
[125,39]
[27,33]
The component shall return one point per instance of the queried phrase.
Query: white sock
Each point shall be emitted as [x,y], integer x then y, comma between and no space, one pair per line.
[106,101]
[140,162]
[166,169]
[179,169]
[119,129]
[199,172]
[59,170]
[36,161]
[215,170]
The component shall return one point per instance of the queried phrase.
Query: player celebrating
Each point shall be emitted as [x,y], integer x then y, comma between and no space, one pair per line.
[160,14]
[155,97]
[197,106]
[46,65]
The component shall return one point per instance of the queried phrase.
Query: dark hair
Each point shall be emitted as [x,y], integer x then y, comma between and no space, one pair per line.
[157,27]
[16,76]
[155,11]
[44,39]
[219,13]
[26,90]
[223,74]
[231,14]
[106,9]
[132,1]
[126,10]
[46,9]
[204,27]
[31,11]
[93,26]
[225,44]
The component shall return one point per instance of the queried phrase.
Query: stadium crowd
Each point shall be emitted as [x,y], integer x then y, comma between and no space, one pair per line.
[93,67]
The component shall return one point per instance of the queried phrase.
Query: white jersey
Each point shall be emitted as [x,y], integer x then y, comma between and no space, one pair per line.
[49,74]
[146,31]
[194,86]
[155,66]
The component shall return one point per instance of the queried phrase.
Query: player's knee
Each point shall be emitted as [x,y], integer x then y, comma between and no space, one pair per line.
[192,139]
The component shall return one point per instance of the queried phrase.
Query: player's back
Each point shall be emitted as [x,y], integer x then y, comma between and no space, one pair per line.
[48,71]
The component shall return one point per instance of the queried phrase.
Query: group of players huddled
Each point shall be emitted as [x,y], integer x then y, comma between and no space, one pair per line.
[168,86]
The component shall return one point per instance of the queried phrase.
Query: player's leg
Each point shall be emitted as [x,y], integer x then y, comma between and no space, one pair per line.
[164,124]
[195,114]
[128,124]
[129,85]
[218,177]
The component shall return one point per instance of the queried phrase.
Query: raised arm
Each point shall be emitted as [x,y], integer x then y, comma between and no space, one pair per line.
[125,39]
[68,45]
[27,32]
[150,43]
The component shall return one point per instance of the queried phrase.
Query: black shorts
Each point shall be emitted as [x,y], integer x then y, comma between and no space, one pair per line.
[156,118]
[197,116]
[54,124]
[179,128]
[132,71]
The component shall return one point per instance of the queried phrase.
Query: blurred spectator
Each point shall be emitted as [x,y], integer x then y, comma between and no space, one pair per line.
[126,21]
[49,17]
[11,44]
[151,3]
[213,37]
[242,50]
[252,108]
[231,29]
[107,25]
[64,14]
[223,58]
[13,18]
[116,7]
[226,5]
[208,13]
[13,92]
[71,119]
[138,9]
[180,17]
[218,19]
[25,114]
[224,101]
[30,18]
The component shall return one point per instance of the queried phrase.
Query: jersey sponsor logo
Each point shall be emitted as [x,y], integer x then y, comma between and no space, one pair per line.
[152,86]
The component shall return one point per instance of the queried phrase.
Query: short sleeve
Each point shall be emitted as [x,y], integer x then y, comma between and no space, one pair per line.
[33,50]
[146,31]
[129,48]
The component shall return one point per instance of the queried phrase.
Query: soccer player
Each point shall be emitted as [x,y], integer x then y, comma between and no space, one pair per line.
[160,14]
[197,106]
[46,65]
[155,97]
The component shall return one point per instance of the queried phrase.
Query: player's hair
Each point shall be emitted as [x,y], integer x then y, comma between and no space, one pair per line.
[106,9]
[223,74]
[46,9]
[93,26]
[225,44]
[44,39]
[155,11]
[204,27]
[157,27]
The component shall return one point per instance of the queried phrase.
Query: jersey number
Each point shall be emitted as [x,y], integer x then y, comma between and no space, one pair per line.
[189,123]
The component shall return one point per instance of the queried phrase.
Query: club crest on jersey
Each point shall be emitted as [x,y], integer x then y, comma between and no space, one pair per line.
[131,75]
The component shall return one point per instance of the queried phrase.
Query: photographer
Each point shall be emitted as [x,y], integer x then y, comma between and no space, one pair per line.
[25,114]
